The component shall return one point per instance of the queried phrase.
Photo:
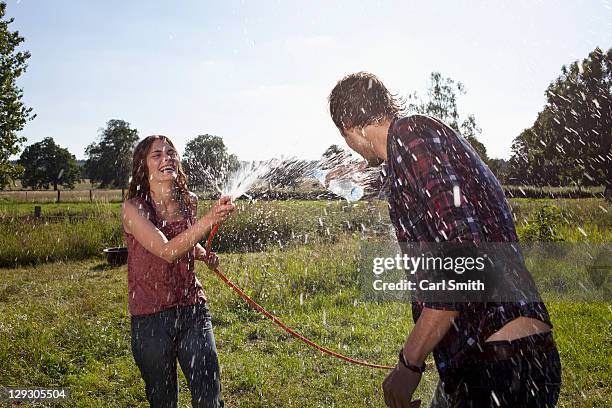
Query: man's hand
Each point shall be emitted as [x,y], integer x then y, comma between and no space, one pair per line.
[399,386]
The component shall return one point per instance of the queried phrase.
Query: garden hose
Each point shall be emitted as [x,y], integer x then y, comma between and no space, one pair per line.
[278,322]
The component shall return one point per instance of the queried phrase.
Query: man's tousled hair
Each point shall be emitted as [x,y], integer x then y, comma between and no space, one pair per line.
[362,99]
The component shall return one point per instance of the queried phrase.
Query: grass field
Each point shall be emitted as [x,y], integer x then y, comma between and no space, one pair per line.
[65,323]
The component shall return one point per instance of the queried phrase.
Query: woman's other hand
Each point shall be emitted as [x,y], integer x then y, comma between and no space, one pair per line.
[209,258]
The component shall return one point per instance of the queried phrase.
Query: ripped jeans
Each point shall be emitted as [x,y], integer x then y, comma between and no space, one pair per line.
[184,333]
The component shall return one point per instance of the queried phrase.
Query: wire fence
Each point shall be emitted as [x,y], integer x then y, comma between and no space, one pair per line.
[50,196]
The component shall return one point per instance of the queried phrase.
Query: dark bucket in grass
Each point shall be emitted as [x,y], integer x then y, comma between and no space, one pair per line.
[116,256]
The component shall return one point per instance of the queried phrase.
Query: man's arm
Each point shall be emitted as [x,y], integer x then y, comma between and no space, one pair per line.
[399,386]
[345,171]
[430,328]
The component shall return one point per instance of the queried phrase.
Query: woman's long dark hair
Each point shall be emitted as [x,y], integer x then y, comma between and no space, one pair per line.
[139,182]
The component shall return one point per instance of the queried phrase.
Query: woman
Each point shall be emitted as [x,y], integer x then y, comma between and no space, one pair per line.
[169,315]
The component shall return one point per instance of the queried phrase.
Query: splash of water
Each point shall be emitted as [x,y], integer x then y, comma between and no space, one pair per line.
[349,181]
[350,176]
[346,188]
[244,178]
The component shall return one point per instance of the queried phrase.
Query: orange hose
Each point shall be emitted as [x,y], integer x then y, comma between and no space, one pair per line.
[278,322]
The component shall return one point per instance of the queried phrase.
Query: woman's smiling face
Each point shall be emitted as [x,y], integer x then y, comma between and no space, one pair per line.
[162,162]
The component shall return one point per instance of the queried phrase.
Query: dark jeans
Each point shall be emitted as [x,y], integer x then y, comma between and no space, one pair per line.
[184,333]
[531,378]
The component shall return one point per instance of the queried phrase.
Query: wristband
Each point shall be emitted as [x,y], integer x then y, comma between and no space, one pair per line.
[409,366]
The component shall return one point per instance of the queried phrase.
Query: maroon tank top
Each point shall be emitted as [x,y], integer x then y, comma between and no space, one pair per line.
[153,283]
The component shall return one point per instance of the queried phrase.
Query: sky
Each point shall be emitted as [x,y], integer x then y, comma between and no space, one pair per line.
[258,73]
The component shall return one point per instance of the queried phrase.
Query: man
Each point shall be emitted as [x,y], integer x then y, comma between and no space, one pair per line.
[487,354]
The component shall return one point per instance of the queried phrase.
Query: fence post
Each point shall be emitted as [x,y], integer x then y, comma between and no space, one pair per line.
[90,196]
[26,196]
[58,195]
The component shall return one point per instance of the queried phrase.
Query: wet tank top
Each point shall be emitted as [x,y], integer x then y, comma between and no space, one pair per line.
[153,283]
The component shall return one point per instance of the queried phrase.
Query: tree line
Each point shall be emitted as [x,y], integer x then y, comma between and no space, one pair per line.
[570,143]
[109,159]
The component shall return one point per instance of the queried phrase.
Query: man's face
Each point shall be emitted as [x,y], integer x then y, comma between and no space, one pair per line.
[357,141]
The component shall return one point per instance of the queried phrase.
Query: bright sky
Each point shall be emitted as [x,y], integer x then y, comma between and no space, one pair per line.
[258,73]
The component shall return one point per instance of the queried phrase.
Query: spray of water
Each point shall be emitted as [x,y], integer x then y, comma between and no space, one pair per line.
[350,177]
[244,178]
[344,175]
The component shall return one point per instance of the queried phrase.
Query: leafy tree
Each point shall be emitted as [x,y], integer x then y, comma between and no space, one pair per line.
[13,113]
[470,130]
[207,162]
[441,102]
[45,163]
[500,168]
[334,156]
[288,173]
[109,160]
[333,151]
[571,140]
[577,120]
[519,171]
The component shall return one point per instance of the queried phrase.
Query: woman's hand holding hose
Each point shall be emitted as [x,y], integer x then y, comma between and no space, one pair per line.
[219,212]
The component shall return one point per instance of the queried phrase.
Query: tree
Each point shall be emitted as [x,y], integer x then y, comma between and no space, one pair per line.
[287,173]
[13,113]
[441,102]
[334,156]
[45,163]
[577,120]
[500,168]
[333,151]
[519,172]
[109,161]
[207,162]
[571,140]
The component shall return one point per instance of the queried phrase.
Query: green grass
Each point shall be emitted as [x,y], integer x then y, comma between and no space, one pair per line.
[254,227]
[10,210]
[64,321]
[580,211]
[24,243]
[66,324]
[63,235]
